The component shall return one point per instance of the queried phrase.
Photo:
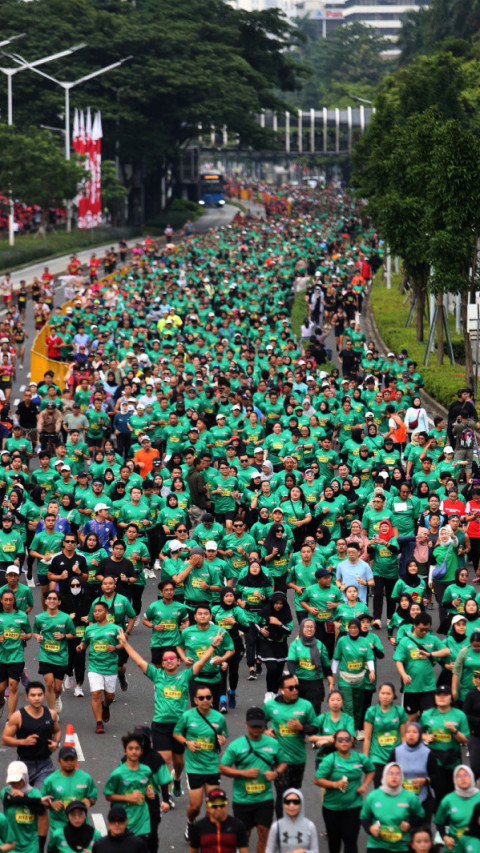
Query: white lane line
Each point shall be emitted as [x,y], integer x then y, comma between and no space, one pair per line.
[22,388]
[28,375]
[79,749]
[98,821]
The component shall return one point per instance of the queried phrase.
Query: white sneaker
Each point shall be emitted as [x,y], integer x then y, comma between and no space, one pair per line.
[79,690]
[58,705]
[360,735]
[157,565]
[68,682]
[376,623]
[151,573]
[137,621]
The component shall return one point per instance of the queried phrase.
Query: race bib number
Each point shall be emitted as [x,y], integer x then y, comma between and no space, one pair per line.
[253,598]
[285,731]
[409,786]
[172,693]
[388,833]
[11,635]
[168,626]
[51,647]
[254,787]
[387,739]
[305,663]
[22,817]
[354,665]
[201,651]
[196,583]
[205,744]
[415,654]
[80,631]
[100,647]
[442,736]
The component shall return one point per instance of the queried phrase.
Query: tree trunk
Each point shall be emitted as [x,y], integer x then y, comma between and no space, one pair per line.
[440,329]
[469,375]
[418,285]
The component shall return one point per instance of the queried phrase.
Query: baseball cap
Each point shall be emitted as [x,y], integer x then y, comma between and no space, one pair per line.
[258,450]
[390,355]
[65,468]
[12,570]
[75,804]
[216,794]
[100,506]
[175,545]
[256,717]
[210,545]
[117,813]
[219,416]
[197,550]
[16,771]
[458,618]
[448,449]
[67,752]
[322,573]
[444,690]
[278,509]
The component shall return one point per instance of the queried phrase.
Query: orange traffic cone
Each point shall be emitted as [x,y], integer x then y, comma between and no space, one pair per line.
[70,739]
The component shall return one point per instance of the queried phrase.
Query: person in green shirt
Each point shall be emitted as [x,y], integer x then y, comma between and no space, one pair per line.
[345,776]
[454,812]
[63,786]
[252,762]
[389,812]
[75,832]
[414,658]
[321,601]
[290,719]
[384,729]
[52,631]
[11,545]
[224,493]
[171,698]
[44,546]
[445,730]
[383,550]
[203,731]
[164,617]
[24,809]
[101,638]
[469,842]
[23,593]
[308,660]
[14,632]
[352,659]
[195,640]
[131,785]
[329,723]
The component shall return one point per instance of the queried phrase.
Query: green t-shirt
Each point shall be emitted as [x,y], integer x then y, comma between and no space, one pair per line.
[291,743]
[11,546]
[120,609]
[23,823]
[335,767]
[245,753]
[23,596]
[171,693]
[224,501]
[434,722]
[385,731]
[317,596]
[305,670]
[11,627]
[46,544]
[193,726]
[97,637]
[67,788]
[454,814]
[125,781]
[168,617]
[51,649]
[390,811]
[420,669]
[195,643]
[353,657]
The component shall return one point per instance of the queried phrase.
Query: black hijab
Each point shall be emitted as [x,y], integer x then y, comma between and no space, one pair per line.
[272,542]
[78,837]
[284,615]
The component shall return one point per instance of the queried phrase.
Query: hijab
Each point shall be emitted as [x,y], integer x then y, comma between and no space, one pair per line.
[471,617]
[255,580]
[404,612]
[272,542]
[385,787]
[461,584]
[269,474]
[406,746]
[284,615]
[223,593]
[87,549]
[412,580]
[357,623]
[312,644]
[386,536]
[78,837]
[115,494]
[36,496]
[465,793]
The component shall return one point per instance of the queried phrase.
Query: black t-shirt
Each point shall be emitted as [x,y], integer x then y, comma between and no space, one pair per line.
[203,835]
[61,562]
[110,568]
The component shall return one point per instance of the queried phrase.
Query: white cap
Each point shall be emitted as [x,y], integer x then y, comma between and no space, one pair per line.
[65,468]
[220,416]
[16,772]
[236,406]
[448,449]
[369,415]
[278,509]
[175,545]
[258,450]
[145,438]
[390,355]
[13,570]
[458,618]
[140,406]
[210,545]
[100,506]
[310,379]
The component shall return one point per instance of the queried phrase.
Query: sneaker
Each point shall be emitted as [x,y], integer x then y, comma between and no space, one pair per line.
[258,668]
[232,699]
[187,831]
[171,801]
[100,728]
[360,735]
[24,678]
[376,623]
[252,675]
[79,690]
[105,713]
[157,565]
[58,705]
[67,682]
[137,621]
[123,683]
[223,705]
[177,788]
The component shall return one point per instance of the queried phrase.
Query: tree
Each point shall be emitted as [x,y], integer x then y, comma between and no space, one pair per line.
[33,168]
[113,191]
[444,21]
[348,63]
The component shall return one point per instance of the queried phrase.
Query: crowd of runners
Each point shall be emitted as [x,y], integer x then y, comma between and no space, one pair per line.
[286,510]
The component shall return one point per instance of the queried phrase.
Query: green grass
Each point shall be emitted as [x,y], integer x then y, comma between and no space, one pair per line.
[28,249]
[390,316]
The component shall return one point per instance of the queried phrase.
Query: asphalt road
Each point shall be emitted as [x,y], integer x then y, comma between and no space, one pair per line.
[100,753]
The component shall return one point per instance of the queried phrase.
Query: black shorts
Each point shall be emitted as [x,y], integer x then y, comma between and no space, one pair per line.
[256,814]
[163,740]
[11,670]
[43,580]
[413,702]
[122,657]
[58,672]
[221,517]
[198,780]
[94,442]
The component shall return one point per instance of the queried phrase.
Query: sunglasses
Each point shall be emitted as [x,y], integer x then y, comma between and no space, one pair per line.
[169,657]
[292,802]
[216,805]
[118,820]
[343,739]
[206,696]
[182,530]
[75,586]
[293,687]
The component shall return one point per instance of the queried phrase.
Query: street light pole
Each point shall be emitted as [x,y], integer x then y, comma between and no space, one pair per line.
[22,65]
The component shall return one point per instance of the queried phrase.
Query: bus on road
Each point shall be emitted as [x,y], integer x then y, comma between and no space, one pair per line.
[212,189]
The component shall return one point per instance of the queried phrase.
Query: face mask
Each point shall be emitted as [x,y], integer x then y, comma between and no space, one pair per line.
[75,590]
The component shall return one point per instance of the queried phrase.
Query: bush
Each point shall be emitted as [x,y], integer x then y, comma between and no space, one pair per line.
[390,316]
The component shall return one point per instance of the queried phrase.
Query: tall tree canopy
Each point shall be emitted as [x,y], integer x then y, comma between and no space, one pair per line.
[445,20]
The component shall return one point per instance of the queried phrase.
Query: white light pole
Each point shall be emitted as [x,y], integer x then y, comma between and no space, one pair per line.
[10,72]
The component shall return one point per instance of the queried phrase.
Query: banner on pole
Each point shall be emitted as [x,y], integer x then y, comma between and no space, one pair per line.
[86,139]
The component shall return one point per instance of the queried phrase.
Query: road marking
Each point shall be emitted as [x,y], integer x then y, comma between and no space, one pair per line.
[22,388]
[98,821]
[79,749]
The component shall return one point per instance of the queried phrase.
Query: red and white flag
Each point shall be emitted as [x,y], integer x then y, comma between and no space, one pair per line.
[89,145]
